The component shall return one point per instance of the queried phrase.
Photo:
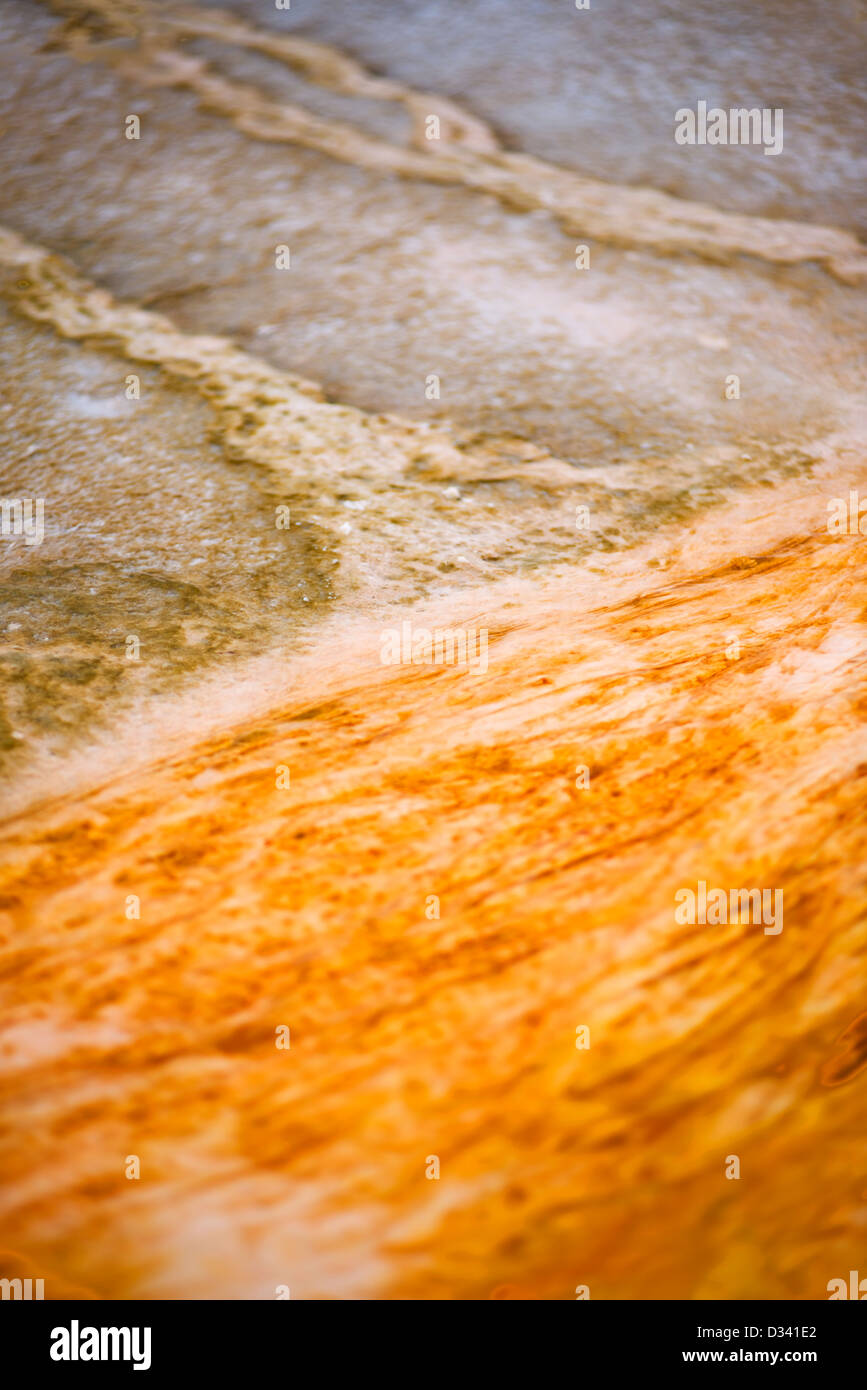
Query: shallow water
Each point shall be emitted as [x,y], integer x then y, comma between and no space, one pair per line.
[610,648]
[620,373]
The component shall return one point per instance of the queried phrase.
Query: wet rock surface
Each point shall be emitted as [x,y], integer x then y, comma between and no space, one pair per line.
[281,484]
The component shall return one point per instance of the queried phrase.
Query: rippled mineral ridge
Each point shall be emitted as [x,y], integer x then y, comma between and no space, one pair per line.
[260,647]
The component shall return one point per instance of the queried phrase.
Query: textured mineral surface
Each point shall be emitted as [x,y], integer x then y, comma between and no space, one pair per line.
[287,375]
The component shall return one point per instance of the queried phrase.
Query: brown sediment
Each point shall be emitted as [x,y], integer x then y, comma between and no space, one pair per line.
[455,1037]
[383,510]
[325,453]
[266,415]
[469,152]
[322,451]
